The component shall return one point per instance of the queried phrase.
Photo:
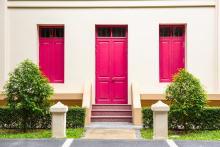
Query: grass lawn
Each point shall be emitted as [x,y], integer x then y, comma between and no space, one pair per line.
[7,133]
[193,135]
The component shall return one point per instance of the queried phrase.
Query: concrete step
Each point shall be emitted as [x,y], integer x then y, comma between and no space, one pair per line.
[111,112]
[112,125]
[111,106]
[111,119]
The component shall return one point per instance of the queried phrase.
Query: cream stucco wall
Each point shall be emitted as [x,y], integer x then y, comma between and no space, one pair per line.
[3,14]
[218,38]
[143,42]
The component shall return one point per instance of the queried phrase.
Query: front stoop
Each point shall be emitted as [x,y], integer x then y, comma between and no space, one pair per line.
[112,130]
[112,125]
[111,113]
[110,134]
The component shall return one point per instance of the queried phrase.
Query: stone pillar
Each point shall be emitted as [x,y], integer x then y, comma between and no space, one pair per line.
[160,120]
[58,120]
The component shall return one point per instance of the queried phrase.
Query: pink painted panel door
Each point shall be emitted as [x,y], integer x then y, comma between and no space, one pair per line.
[51,54]
[111,71]
[172,51]
[165,64]
[44,59]
[103,71]
[58,61]
[178,50]
[119,71]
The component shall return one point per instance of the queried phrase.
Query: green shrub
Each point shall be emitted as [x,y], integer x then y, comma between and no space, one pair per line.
[208,120]
[76,117]
[10,120]
[147,117]
[188,99]
[27,93]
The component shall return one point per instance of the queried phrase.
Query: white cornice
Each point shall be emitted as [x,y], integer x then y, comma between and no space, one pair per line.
[111,4]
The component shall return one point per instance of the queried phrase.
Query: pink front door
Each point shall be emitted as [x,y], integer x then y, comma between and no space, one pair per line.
[111,65]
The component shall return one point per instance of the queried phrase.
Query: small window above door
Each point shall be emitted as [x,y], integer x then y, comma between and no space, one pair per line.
[46,32]
[178,31]
[104,32]
[111,31]
[59,32]
[165,31]
[51,31]
[171,30]
[119,32]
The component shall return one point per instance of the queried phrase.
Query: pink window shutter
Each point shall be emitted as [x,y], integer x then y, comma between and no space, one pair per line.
[51,55]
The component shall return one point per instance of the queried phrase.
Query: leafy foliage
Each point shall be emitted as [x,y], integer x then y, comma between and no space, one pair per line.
[208,120]
[27,92]
[147,117]
[76,117]
[188,99]
[10,120]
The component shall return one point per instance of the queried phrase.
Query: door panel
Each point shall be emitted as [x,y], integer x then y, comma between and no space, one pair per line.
[165,54]
[103,58]
[119,52]
[178,54]
[119,68]
[44,56]
[58,60]
[119,92]
[111,70]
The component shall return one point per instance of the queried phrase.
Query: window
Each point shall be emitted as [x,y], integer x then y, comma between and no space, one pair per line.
[118,32]
[104,32]
[51,52]
[111,31]
[165,31]
[51,32]
[172,50]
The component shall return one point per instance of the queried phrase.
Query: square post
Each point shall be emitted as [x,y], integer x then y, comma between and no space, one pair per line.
[160,120]
[58,120]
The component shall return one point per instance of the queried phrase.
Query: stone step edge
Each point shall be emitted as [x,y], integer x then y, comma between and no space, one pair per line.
[111,110]
[111,105]
[111,116]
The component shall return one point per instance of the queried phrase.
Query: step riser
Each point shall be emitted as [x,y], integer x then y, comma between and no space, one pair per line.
[127,107]
[111,120]
[111,113]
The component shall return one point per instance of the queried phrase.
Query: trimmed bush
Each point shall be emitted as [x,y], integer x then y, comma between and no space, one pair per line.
[208,120]
[188,99]
[10,120]
[76,117]
[27,93]
[147,117]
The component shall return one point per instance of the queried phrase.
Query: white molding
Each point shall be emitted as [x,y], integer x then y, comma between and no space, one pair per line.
[111,4]
[218,41]
[4,42]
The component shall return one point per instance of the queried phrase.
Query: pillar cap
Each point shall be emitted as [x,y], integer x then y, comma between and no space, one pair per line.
[160,106]
[59,107]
